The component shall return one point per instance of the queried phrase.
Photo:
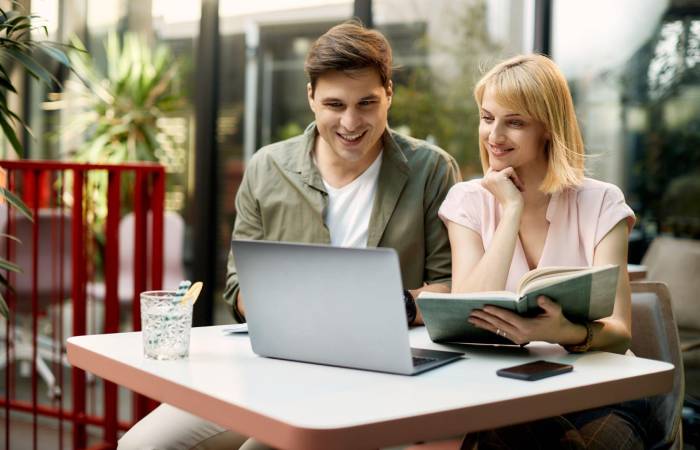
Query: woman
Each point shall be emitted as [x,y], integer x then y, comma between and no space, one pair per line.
[535,208]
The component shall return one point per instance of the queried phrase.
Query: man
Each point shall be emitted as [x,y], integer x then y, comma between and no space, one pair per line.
[348,180]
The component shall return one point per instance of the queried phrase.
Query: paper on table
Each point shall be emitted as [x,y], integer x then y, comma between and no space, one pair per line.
[236,328]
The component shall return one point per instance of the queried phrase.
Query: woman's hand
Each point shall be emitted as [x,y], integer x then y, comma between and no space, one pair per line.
[550,325]
[505,186]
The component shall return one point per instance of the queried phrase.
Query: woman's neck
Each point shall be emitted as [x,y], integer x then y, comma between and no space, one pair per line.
[533,198]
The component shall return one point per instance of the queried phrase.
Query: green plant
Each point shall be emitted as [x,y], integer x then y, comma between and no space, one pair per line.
[117,112]
[18,47]
[438,104]
[114,112]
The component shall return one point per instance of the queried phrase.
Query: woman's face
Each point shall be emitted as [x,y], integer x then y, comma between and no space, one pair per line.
[511,139]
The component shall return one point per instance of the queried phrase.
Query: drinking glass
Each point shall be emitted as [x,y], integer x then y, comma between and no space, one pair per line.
[165,325]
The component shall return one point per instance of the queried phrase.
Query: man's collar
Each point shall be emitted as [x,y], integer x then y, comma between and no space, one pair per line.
[393,153]
[305,164]
[393,177]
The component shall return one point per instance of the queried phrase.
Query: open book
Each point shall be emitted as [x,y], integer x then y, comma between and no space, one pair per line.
[584,293]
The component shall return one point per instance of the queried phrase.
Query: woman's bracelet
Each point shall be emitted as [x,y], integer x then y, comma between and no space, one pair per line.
[585,344]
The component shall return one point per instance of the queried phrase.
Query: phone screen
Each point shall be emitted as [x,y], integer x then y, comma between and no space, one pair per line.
[535,370]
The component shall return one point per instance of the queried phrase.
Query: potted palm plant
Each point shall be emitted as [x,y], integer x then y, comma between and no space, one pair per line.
[17,48]
[114,112]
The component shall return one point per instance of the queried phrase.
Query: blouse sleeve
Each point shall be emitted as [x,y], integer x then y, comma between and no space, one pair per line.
[463,205]
[613,210]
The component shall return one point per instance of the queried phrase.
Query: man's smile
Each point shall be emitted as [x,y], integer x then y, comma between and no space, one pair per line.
[351,138]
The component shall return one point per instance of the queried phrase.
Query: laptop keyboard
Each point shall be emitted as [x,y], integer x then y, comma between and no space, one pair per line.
[418,361]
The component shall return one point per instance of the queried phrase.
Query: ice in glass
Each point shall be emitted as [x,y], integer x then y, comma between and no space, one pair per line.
[165,324]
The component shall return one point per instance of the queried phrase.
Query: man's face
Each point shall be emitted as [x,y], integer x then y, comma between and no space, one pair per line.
[351,115]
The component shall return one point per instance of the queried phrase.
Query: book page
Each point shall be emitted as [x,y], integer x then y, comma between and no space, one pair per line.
[549,275]
[584,294]
[506,296]
[572,295]
[548,280]
[542,272]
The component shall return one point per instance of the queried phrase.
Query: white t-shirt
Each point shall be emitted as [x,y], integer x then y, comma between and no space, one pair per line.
[349,208]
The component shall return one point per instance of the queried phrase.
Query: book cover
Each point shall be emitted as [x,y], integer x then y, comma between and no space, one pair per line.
[584,293]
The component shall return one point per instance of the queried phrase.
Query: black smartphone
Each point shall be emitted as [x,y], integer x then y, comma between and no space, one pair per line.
[535,370]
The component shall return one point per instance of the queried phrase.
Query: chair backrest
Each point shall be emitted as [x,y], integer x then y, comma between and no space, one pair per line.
[173,240]
[676,262]
[655,336]
[53,252]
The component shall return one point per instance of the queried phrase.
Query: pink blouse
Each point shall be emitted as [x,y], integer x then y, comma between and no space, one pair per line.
[578,218]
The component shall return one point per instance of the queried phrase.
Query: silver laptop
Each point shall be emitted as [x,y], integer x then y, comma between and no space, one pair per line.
[329,305]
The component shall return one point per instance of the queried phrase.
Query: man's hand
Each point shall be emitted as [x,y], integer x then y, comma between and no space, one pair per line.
[239,304]
[436,287]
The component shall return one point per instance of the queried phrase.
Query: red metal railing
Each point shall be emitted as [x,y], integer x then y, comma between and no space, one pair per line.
[61,255]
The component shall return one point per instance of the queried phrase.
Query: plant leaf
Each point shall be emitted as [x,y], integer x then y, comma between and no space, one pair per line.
[5,80]
[32,66]
[7,265]
[10,134]
[15,201]
[6,283]
[13,238]
[6,111]
[4,311]
[57,55]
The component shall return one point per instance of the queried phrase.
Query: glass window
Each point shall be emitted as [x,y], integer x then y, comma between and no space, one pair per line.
[441,48]
[438,45]
[635,86]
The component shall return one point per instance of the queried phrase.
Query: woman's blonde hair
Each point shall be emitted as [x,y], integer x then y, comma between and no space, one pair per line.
[534,86]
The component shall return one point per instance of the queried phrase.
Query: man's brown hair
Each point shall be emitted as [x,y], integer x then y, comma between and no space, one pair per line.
[349,47]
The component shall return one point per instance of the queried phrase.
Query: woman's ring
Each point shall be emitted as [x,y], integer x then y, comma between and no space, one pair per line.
[498,331]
